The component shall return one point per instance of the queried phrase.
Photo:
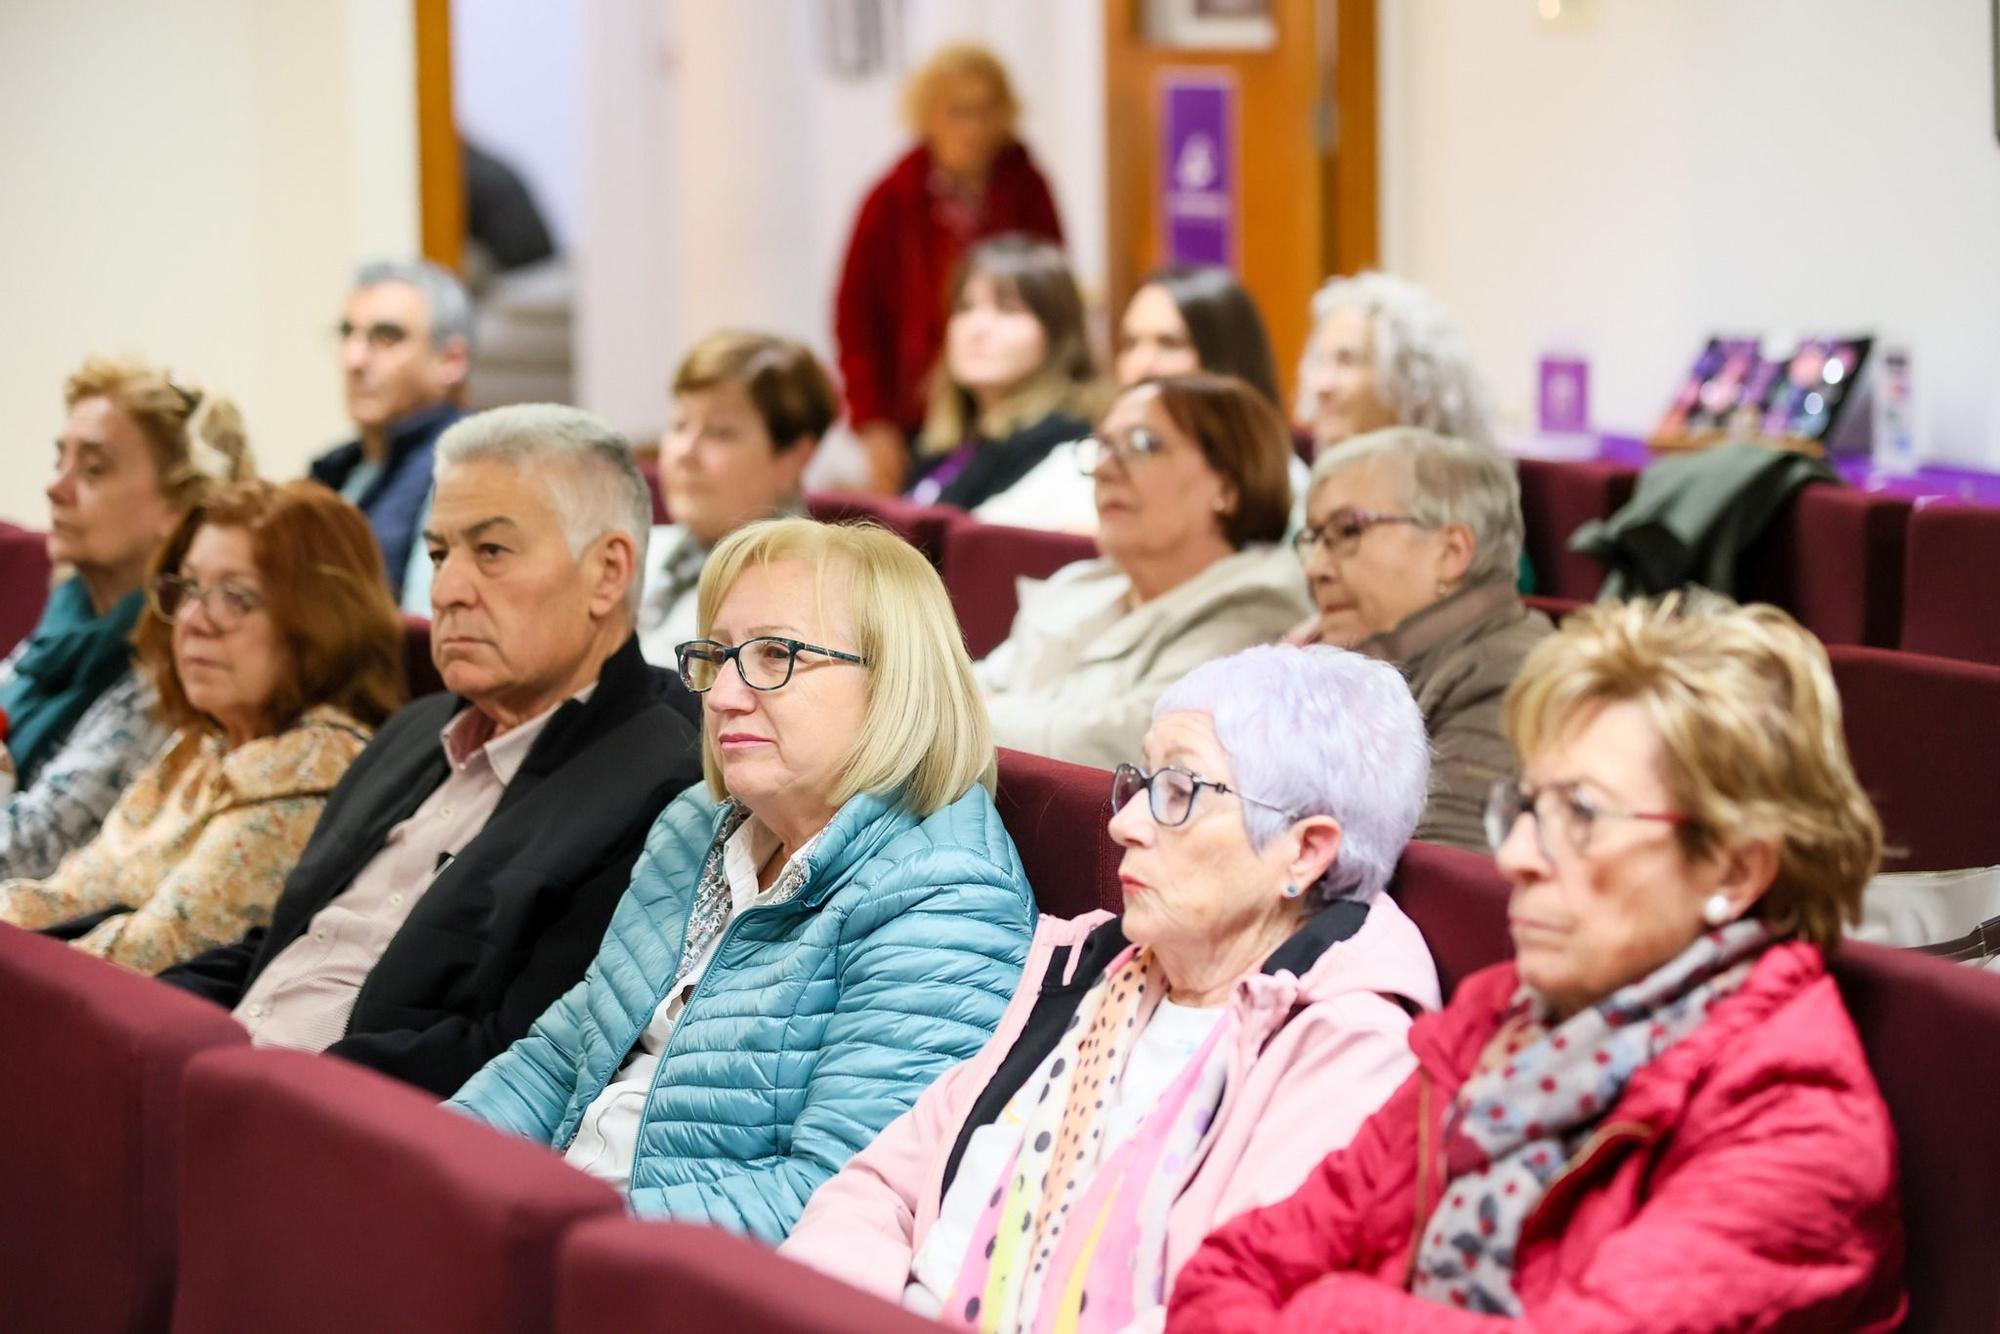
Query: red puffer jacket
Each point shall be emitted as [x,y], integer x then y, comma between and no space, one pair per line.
[1746,1181]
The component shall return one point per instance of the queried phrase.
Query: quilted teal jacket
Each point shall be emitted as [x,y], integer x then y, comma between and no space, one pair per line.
[819,1021]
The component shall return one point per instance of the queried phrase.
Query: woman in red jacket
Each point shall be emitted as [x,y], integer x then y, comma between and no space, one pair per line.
[1658,1116]
[967,178]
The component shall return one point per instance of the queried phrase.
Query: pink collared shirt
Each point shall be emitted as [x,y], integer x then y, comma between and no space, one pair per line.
[303,999]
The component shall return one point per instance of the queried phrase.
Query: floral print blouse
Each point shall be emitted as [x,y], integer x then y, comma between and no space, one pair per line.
[198,847]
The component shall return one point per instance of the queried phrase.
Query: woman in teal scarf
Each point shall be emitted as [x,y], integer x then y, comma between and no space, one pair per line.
[138,448]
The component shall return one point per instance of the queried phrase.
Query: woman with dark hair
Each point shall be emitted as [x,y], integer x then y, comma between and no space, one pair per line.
[1183,319]
[273,648]
[1017,378]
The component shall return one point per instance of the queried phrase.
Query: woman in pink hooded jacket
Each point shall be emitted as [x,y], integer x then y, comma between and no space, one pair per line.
[1160,1072]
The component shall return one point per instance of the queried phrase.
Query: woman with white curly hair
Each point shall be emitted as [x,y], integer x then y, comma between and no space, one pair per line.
[1384,352]
[1160,1072]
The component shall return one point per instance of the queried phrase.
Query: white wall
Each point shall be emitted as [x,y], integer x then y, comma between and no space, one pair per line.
[190,182]
[1665,168]
[741,158]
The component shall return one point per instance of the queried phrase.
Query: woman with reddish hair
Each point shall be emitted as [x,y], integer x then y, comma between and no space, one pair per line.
[967,178]
[274,649]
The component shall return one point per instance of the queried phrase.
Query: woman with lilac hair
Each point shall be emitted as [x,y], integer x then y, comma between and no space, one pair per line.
[1160,1072]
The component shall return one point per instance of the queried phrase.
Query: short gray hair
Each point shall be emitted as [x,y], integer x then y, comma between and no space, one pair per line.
[593,480]
[1423,366]
[450,308]
[1443,481]
[1319,731]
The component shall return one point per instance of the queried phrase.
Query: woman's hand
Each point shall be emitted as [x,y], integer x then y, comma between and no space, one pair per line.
[1304,634]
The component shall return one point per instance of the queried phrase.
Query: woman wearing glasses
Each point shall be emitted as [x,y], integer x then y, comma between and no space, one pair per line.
[1410,546]
[1192,497]
[790,968]
[1659,1115]
[1162,1071]
[137,448]
[273,648]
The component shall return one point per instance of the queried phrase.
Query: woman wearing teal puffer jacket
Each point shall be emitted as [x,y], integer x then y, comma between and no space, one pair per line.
[792,967]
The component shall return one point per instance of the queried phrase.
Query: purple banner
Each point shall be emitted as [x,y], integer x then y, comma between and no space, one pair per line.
[1198,166]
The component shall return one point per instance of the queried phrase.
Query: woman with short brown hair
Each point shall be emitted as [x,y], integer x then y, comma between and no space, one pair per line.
[274,649]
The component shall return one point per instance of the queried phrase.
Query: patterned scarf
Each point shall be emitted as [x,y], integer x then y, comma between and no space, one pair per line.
[1074,1237]
[1537,1097]
[712,900]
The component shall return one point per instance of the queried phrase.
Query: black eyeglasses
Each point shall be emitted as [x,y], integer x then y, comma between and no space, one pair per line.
[1170,793]
[1343,530]
[1135,445]
[1565,816]
[226,604]
[764,663]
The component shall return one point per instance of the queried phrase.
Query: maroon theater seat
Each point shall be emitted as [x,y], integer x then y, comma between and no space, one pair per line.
[91,1058]
[650,470]
[1932,1030]
[618,1274]
[1556,609]
[1459,901]
[1951,590]
[418,668]
[1924,734]
[24,583]
[1558,498]
[325,1198]
[1833,558]
[1057,814]
[982,561]
[922,526]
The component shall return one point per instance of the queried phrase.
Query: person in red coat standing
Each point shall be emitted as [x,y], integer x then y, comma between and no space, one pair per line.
[967,178]
[1658,1116]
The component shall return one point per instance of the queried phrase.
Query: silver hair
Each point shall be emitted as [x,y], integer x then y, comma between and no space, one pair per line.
[450,308]
[1442,481]
[1423,366]
[1319,731]
[588,467]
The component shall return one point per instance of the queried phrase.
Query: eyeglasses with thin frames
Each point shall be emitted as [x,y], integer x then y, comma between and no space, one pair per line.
[1136,444]
[1170,793]
[1565,816]
[226,604]
[1343,530]
[764,663]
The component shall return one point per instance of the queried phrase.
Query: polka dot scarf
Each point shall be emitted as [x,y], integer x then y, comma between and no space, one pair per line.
[1074,1236]
[1536,1098]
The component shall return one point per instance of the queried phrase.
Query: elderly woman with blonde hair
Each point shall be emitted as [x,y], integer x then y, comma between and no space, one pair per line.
[1410,547]
[835,921]
[1658,1115]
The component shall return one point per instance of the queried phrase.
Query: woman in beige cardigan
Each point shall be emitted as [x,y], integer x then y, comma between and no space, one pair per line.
[1411,544]
[1192,499]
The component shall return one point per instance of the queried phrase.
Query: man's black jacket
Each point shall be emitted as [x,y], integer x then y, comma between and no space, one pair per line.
[514,920]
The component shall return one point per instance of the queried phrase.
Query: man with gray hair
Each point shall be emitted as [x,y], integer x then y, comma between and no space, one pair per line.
[465,868]
[405,352]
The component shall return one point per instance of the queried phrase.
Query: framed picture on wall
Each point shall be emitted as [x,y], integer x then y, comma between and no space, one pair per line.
[1211,25]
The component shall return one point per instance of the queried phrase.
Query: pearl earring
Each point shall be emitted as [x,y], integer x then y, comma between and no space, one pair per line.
[1291,891]
[1718,911]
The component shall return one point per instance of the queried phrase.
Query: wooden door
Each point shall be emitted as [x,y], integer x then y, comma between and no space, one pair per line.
[1305,149]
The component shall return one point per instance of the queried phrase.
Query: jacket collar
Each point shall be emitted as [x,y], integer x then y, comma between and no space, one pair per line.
[624,676]
[1461,616]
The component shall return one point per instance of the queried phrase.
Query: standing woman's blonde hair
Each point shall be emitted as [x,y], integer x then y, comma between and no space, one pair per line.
[196,434]
[963,62]
[924,738]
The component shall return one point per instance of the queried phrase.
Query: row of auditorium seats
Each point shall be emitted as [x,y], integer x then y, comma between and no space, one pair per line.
[161,1174]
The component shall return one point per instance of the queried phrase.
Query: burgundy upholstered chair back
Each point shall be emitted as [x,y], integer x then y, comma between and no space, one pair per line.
[1458,900]
[650,470]
[982,561]
[1951,595]
[418,669]
[661,1278]
[1932,1030]
[1924,734]
[1556,609]
[24,583]
[91,1058]
[922,526]
[1057,814]
[325,1198]
[1833,558]
[1556,499]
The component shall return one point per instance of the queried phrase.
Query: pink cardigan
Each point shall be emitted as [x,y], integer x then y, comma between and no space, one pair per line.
[1314,1057]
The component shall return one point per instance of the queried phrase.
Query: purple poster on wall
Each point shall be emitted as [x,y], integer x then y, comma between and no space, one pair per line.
[1198,166]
